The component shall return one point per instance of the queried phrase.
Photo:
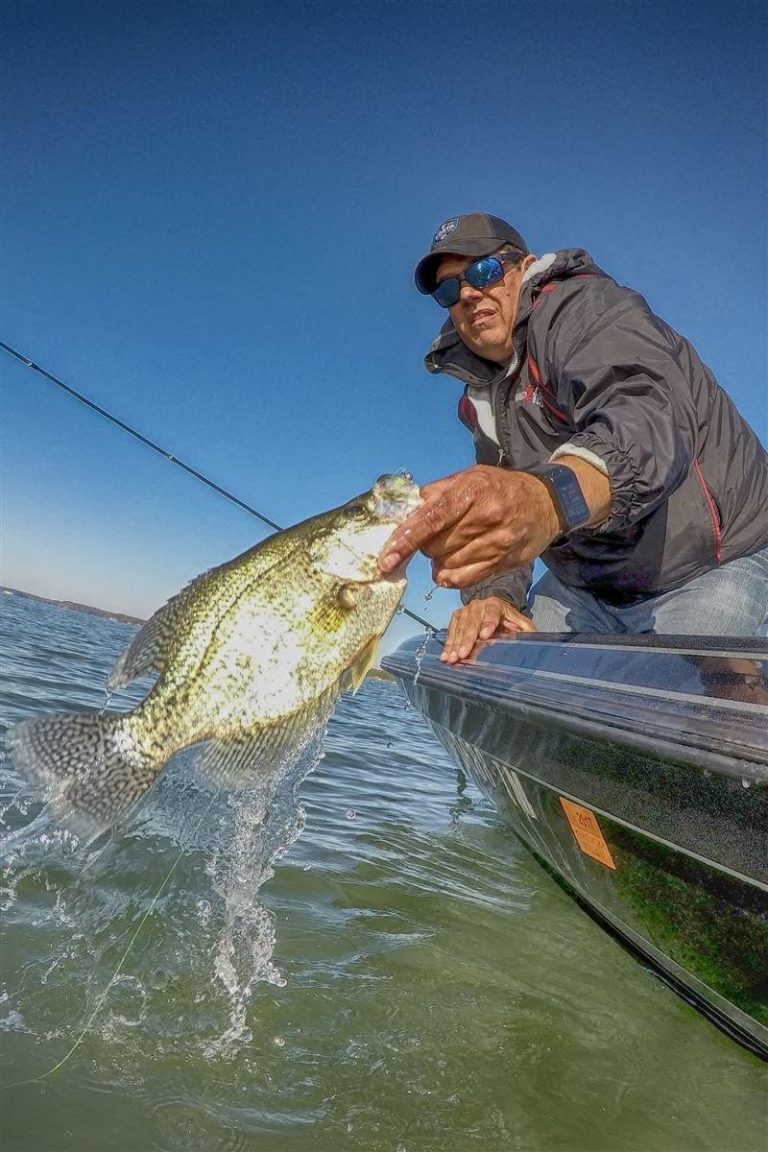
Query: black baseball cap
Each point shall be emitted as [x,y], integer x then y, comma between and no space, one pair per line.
[475,234]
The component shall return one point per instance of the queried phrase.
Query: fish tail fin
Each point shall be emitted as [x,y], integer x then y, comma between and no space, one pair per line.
[93,765]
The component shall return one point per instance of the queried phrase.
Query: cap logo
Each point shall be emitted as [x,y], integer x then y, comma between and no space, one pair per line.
[445,230]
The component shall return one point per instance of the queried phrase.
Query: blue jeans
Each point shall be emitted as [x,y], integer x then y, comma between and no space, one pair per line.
[731,600]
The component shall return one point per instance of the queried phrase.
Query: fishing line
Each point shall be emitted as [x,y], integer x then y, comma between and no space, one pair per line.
[60,1064]
[169,456]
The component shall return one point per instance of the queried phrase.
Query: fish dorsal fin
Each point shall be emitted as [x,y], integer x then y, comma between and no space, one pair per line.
[148,651]
[355,674]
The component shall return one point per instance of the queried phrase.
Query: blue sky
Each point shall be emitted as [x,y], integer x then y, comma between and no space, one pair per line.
[211,213]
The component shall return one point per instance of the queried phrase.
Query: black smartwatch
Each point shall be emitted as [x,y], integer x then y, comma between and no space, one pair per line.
[570,505]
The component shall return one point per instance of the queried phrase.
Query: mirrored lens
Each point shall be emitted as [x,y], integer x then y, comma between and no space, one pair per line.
[484,272]
[447,292]
[479,275]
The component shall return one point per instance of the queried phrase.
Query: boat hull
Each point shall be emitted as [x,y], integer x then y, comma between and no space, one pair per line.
[636,773]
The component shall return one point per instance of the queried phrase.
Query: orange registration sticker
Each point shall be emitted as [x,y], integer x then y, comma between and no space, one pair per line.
[586,831]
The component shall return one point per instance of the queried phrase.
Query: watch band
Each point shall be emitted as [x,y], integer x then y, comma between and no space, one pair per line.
[565,490]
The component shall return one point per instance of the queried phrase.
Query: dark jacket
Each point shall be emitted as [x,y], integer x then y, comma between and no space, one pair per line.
[595,368]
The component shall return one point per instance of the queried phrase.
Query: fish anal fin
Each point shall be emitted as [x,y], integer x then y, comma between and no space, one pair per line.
[237,761]
[243,758]
[240,759]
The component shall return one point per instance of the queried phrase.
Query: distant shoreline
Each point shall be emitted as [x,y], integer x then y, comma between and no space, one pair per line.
[72,606]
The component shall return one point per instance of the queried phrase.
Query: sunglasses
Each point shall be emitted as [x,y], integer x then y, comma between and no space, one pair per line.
[479,275]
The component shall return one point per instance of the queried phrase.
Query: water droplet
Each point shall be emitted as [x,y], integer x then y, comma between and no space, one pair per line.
[350,814]
[279,1041]
[745,783]
[419,657]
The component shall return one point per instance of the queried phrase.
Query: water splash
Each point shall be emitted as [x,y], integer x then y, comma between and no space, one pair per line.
[420,653]
[29,849]
[258,827]
[80,906]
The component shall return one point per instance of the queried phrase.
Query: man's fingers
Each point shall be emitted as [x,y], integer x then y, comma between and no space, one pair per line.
[514,621]
[461,577]
[472,623]
[433,517]
[492,620]
[480,618]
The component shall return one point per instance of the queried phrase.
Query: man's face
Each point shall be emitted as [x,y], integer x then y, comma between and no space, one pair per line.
[483,317]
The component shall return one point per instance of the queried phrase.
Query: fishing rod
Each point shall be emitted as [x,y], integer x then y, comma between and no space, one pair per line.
[169,456]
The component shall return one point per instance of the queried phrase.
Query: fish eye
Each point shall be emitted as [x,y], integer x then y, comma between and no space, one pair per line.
[356,508]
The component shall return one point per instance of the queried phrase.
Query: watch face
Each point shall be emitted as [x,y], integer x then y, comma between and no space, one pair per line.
[565,490]
[574,505]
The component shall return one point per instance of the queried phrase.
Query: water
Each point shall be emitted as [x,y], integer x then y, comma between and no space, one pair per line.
[400,976]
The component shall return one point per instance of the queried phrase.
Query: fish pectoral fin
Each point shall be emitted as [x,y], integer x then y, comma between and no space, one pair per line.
[355,674]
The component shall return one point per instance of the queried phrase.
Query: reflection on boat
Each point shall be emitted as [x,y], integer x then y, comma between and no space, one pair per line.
[636,770]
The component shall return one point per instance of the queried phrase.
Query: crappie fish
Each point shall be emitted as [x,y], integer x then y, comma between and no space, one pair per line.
[250,658]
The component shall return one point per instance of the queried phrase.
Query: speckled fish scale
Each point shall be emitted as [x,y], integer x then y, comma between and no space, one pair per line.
[249,660]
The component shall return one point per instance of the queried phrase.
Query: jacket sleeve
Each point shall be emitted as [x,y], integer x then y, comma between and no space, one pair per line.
[511,586]
[619,375]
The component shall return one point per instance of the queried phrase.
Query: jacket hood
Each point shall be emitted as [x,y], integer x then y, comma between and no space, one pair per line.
[450,354]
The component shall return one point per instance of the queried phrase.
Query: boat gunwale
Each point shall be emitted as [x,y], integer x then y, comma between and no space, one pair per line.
[595,710]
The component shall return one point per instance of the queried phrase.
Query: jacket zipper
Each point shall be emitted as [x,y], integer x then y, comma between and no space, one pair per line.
[713,513]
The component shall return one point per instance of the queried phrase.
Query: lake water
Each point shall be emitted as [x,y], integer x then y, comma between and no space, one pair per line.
[404,977]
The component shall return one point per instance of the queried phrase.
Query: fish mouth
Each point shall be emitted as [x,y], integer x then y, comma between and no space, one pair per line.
[395,496]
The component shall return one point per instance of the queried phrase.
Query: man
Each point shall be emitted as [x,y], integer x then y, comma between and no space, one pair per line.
[604,446]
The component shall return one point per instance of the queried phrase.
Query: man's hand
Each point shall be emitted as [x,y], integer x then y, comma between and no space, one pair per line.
[479,620]
[474,523]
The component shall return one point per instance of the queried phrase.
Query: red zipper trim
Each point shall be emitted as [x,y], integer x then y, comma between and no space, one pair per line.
[543,390]
[712,511]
